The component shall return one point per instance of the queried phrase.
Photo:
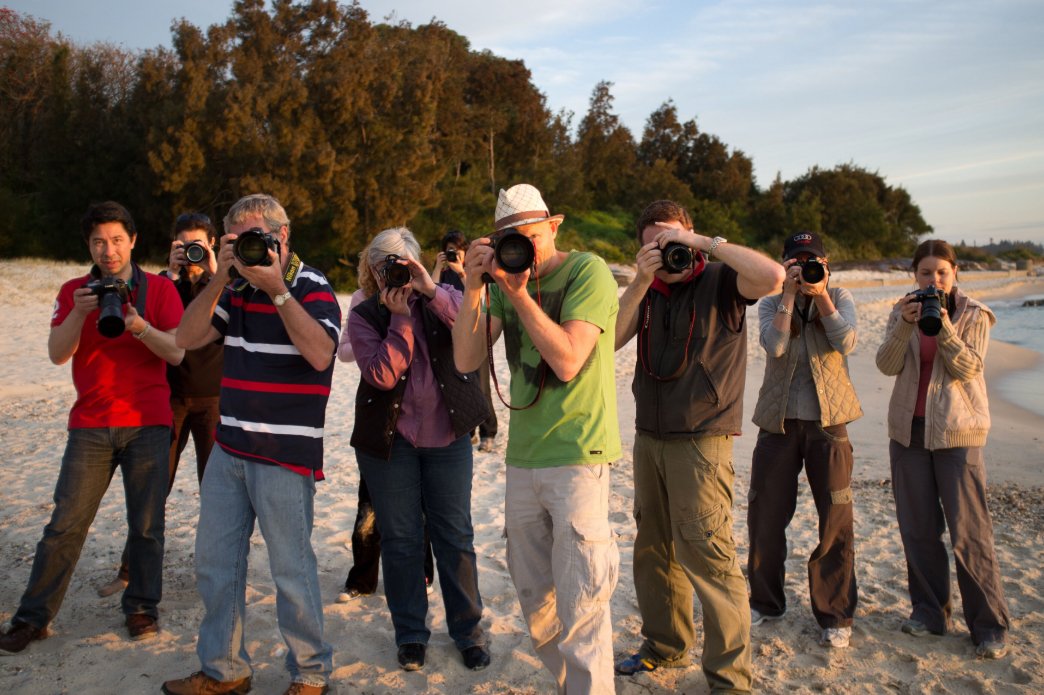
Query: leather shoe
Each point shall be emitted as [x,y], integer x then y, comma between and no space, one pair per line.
[475,657]
[141,626]
[19,636]
[411,656]
[305,689]
[200,683]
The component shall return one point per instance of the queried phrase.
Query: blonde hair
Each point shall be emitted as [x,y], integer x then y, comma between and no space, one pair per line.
[258,204]
[367,280]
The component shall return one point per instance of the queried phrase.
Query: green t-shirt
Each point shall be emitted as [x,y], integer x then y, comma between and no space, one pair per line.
[573,423]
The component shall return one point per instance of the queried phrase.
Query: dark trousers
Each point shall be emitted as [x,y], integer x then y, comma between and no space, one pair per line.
[195,416]
[91,456]
[413,488]
[935,490]
[366,548]
[826,455]
[489,427]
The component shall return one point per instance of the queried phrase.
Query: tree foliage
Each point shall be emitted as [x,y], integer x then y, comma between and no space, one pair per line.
[356,125]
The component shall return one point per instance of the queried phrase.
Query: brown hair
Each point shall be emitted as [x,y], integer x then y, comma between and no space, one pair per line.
[367,282]
[935,248]
[662,211]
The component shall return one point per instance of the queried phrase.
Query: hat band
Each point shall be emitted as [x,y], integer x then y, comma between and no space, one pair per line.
[533,215]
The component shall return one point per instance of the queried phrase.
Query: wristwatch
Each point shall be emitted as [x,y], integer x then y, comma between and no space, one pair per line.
[716,242]
[280,299]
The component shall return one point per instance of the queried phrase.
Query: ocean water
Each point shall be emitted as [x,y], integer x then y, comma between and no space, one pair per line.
[1022,326]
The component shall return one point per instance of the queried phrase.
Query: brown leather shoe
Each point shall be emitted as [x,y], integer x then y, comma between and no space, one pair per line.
[141,626]
[304,689]
[18,638]
[200,683]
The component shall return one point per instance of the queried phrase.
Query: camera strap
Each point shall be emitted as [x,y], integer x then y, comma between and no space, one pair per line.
[139,283]
[643,341]
[541,368]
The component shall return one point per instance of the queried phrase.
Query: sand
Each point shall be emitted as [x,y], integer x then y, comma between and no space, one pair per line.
[88,651]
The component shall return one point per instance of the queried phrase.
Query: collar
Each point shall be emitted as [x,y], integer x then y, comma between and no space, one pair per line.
[663,288]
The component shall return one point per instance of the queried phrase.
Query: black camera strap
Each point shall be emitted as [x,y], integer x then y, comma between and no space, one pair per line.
[643,341]
[541,368]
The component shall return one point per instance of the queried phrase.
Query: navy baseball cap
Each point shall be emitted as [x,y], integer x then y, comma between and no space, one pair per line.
[803,242]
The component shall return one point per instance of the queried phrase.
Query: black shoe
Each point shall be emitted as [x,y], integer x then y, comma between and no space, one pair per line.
[411,656]
[18,638]
[475,658]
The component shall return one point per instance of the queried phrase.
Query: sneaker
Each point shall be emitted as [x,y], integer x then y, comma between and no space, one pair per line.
[18,637]
[475,658]
[115,586]
[991,649]
[914,627]
[633,664]
[349,594]
[757,617]
[305,689]
[486,444]
[411,656]
[141,626]
[835,637]
[200,683]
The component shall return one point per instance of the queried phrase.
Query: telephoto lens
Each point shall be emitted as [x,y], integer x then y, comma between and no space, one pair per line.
[195,252]
[251,247]
[812,271]
[676,257]
[395,274]
[513,251]
[930,322]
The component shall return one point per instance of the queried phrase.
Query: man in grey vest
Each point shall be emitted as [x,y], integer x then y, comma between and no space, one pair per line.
[688,386]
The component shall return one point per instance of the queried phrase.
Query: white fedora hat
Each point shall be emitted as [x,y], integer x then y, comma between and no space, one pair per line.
[521,204]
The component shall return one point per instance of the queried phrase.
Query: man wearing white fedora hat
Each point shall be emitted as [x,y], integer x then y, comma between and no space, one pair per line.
[558,317]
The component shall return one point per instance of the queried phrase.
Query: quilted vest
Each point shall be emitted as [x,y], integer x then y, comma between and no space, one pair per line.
[377,410]
[707,396]
[838,403]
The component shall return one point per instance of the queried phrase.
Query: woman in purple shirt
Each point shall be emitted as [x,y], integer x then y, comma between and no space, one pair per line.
[413,415]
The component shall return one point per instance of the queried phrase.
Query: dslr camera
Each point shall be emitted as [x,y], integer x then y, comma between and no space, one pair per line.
[677,257]
[196,252]
[451,255]
[251,247]
[395,274]
[931,299]
[812,271]
[513,252]
[112,294]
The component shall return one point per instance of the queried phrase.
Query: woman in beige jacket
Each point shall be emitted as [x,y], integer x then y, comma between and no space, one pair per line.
[938,419]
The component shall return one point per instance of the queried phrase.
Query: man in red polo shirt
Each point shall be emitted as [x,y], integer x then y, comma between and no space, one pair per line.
[117,326]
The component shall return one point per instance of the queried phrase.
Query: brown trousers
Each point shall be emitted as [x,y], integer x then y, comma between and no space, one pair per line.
[936,490]
[826,455]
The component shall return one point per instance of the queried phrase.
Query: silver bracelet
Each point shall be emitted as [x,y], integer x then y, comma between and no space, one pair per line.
[715,243]
[144,331]
[783,310]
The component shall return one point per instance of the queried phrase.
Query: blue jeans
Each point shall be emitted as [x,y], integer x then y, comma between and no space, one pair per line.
[233,494]
[91,456]
[434,485]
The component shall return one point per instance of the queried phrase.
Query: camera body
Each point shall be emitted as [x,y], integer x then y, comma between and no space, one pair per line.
[513,251]
[196,252]
[677,257]
[112,294]
[395,274]
[451,255]
[931,299]
[812,271]
[252,246]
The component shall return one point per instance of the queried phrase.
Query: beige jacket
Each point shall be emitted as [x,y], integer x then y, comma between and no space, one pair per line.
[838,403]
[957,411]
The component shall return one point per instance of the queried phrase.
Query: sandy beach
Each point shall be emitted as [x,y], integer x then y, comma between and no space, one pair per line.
[88,651]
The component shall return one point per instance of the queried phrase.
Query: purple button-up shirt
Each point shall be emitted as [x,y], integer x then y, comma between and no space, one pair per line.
[424,420]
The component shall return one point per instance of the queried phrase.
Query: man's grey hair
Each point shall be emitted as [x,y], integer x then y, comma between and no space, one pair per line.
[258,204]
[397,240]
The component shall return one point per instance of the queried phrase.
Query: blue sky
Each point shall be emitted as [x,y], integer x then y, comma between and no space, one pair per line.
[943,98]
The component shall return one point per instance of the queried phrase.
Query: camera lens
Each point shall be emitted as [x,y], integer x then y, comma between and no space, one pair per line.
[110,316]
[195,252]
[812,271]
[514,251]
[930,322]
[676,257]
[251,248]
[451,255]
[395,274]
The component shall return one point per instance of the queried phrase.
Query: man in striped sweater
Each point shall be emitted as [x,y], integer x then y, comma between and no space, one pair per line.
[280,322]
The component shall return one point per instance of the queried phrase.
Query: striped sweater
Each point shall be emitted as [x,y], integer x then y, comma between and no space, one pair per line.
[273,402]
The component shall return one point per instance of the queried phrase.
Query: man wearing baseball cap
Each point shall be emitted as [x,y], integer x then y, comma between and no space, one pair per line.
[558,318]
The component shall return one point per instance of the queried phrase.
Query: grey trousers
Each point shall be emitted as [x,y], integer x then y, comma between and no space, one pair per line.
[936,490]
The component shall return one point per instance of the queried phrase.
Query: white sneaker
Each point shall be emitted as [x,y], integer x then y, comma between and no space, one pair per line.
[835,637]
[757,617]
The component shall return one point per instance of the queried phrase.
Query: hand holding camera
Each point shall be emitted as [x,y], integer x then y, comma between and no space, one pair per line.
[112,294]
[927,307]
